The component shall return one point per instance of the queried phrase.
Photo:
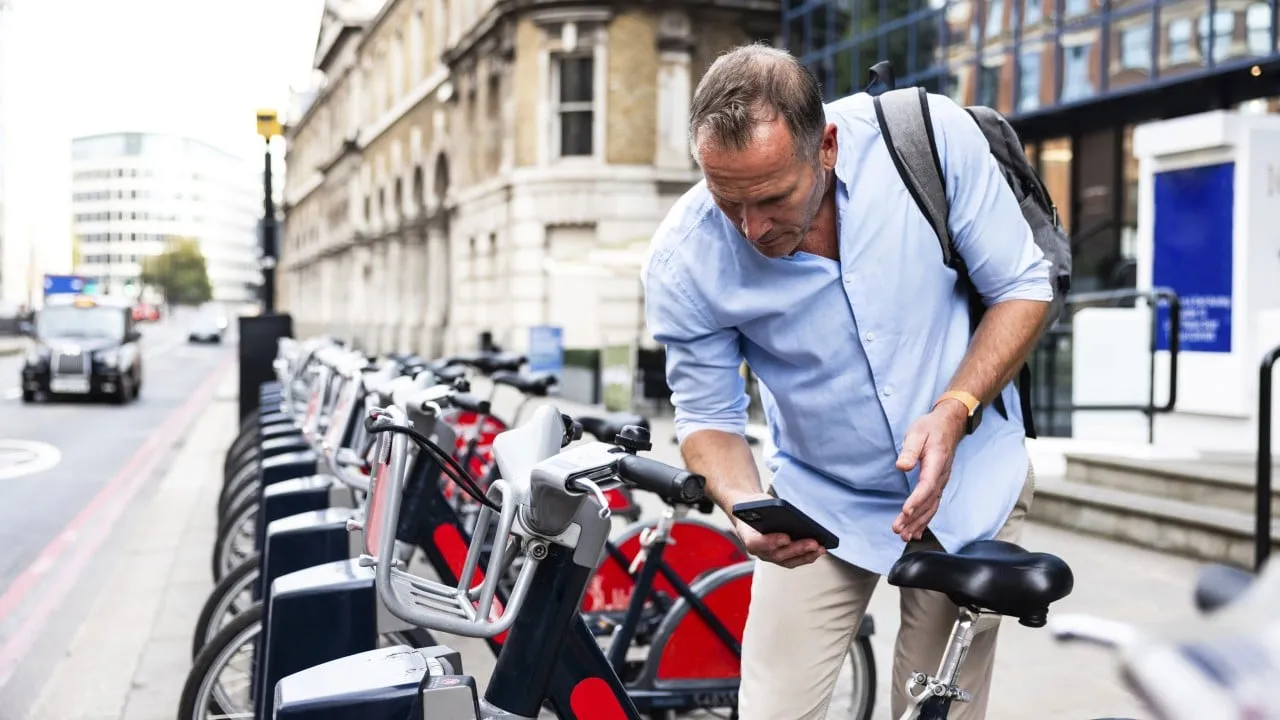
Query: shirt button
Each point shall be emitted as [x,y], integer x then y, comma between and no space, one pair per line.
[888,390]
[871,336]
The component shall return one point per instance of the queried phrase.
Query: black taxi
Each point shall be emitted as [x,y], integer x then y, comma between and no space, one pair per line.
[83,346]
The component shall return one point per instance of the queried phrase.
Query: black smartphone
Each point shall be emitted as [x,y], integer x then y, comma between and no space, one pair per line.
[776,515]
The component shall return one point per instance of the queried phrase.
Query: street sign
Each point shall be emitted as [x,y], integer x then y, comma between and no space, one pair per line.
[65,284]
[546,349]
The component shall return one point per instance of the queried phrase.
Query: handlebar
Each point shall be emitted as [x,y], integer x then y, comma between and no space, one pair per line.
[674,485]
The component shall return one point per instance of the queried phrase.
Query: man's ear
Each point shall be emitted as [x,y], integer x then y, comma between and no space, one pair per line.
[828,150]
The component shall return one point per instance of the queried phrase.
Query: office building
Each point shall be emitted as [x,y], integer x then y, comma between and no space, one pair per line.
[134,193]
[474,167]
[1073,76]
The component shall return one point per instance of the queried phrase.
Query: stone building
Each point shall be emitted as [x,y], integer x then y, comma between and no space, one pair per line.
[474,166]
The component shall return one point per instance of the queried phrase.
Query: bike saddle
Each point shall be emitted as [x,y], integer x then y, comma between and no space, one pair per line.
[1219,585]
[491,363]
[989,575]
[538,384]
[605,428]
[450,374]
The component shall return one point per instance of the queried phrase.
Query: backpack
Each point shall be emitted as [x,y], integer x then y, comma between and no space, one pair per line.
[903,115]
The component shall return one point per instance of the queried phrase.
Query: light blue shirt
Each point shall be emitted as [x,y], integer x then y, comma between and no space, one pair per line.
[850,353]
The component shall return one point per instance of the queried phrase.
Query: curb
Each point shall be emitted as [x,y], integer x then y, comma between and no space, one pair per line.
[5,351]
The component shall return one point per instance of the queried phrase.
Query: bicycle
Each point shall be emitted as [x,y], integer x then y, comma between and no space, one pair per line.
[557,497]
[1224,665]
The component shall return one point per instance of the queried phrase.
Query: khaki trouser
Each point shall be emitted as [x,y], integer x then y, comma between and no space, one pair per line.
[802,620]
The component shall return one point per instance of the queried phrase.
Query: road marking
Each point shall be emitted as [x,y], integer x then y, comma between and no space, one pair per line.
[24,457]
[92,525]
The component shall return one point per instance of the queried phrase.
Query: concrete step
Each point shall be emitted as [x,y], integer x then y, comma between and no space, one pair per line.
[1176,526]
[1215,483]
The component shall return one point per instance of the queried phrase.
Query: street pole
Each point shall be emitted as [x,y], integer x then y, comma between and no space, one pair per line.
[268,127]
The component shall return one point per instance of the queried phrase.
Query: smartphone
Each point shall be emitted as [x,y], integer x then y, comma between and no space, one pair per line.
[776,515]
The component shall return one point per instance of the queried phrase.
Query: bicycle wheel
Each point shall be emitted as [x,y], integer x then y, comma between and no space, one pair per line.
[236,538]
[207,694]
[230,597]
[863,698]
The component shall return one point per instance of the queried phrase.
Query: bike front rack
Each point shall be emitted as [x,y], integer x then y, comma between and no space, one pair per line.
[461,609]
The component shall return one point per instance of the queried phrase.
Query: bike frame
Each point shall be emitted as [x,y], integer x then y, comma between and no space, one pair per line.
[934,700]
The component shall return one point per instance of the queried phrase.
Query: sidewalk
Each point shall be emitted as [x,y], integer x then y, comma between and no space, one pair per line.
[130,658]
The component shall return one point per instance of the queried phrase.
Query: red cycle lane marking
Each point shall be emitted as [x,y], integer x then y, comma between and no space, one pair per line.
[119,489]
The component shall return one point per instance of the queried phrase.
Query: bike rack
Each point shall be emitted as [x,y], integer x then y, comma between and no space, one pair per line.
[1153,297]
[1262,531]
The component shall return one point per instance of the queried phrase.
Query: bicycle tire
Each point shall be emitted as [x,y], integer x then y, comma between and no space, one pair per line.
[229,583]
[233,496]
[220,565]
[206,660]
[863,700]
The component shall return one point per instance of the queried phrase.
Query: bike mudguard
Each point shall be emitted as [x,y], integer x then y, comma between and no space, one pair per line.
[695,547]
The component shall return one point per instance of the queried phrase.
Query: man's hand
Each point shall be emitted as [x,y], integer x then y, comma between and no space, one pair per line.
[777,548]
[931,442]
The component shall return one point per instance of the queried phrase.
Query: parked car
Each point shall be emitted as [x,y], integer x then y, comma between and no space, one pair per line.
[83,347]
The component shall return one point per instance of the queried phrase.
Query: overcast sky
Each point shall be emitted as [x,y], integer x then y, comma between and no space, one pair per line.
[193,67]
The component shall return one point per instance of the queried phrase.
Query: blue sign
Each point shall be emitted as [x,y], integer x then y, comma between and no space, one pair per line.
[546,349]
[64,284]
[1192,240]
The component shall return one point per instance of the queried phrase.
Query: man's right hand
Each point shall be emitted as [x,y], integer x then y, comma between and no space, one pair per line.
[777,548]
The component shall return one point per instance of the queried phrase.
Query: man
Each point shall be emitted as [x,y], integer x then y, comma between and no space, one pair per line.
[803,253]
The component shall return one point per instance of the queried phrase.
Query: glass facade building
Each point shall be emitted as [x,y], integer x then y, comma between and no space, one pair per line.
[1074,77]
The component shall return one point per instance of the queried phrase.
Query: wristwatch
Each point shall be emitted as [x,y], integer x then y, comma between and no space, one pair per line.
[971,403]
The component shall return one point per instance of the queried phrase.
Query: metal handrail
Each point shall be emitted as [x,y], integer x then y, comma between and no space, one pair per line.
[1262,506]
[1152,296]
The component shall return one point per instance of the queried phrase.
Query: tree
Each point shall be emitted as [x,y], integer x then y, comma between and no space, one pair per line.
[180,273]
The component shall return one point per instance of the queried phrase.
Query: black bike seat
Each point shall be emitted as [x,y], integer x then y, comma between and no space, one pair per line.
[989,575]
[605,428]
[536,384]
[450,374]
[1219,585]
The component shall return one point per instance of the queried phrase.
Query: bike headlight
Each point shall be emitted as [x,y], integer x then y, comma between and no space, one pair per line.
[110,358]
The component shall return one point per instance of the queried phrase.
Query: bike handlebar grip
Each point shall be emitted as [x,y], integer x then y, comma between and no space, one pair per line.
[672,484]
[470,403]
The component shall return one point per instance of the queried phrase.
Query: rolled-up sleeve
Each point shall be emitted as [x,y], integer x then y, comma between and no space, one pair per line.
[703,360]
[986,223]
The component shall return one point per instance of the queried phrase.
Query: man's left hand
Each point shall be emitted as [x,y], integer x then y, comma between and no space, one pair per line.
[931,443]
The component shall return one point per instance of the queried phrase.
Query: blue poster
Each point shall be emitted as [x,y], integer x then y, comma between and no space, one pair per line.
[546,349]
[1192,240]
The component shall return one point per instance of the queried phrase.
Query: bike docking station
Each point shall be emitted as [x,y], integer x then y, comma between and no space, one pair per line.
[312,571]
[1207,244]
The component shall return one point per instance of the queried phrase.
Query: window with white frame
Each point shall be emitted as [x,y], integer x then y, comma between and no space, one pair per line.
[1179,41]
[995,18]
[1257,21]
[1076,82]
[573,89]
[1032,12]
[1224,22]
[1029,79]
[1135,47]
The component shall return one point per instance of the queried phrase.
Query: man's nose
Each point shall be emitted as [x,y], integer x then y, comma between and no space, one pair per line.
[755,224]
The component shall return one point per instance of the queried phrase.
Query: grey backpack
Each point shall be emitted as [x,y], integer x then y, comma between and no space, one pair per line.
[904,121]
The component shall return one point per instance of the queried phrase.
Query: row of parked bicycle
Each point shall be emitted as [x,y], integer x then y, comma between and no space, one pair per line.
[372,502]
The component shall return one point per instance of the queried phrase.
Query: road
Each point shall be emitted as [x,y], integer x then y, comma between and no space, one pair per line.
[70,472]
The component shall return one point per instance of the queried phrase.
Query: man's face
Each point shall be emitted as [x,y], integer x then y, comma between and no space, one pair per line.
[768,193]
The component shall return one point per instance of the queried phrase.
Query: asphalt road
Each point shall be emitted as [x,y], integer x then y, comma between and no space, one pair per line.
[70,472]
